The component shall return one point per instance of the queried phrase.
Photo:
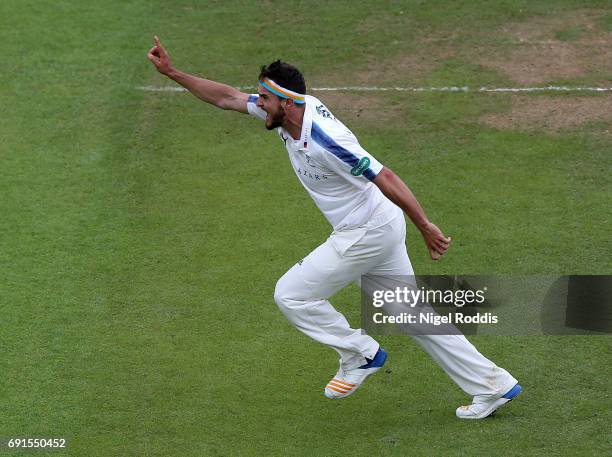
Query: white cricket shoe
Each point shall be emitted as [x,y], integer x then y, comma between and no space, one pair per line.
[484,406]
[346,382]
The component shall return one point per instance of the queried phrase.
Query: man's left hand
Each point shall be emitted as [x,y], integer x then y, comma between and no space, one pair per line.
[436,242]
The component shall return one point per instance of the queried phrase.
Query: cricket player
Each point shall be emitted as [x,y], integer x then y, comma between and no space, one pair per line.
[365,202]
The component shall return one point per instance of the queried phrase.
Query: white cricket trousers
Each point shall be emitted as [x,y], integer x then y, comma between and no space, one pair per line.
[302,295]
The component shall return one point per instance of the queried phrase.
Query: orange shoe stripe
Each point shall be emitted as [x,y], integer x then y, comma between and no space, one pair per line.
[342,382]
[337,390]
[340,386]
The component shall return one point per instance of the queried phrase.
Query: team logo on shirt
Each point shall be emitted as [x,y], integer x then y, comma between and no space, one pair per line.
[361,166]
[311,162]
[323,111]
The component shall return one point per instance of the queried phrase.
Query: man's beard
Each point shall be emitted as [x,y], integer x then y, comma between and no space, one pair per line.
[276,122]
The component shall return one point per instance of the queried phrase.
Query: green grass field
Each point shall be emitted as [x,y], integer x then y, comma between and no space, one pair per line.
[143,232]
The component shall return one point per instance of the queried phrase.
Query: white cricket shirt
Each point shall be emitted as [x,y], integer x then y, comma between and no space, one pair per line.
[334,168]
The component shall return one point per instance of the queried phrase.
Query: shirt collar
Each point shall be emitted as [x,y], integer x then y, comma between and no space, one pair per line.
[304,142]
[306,127]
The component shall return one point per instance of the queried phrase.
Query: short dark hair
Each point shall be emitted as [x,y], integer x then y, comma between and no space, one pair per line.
[284,75]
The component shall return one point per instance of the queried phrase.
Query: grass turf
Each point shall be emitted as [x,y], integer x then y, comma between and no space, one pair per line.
[143,234]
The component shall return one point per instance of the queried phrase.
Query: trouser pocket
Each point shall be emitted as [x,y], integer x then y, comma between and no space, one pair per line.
[342,241]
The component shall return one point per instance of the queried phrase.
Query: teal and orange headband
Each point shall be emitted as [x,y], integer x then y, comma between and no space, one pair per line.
[279,90]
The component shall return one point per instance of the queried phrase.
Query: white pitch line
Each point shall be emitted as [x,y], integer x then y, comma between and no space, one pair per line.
[413,89]
[544,89]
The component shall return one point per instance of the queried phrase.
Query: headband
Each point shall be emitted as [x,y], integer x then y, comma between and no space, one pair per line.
[281,91]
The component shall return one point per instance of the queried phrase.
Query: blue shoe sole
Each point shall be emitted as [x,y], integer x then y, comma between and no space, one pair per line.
[378,361]
[517,389]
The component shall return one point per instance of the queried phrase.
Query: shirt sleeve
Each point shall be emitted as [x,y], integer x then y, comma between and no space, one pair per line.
[253,109]
[344,155]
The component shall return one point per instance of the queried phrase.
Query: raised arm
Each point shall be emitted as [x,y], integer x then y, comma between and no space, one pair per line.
[217,94]
[399,193]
